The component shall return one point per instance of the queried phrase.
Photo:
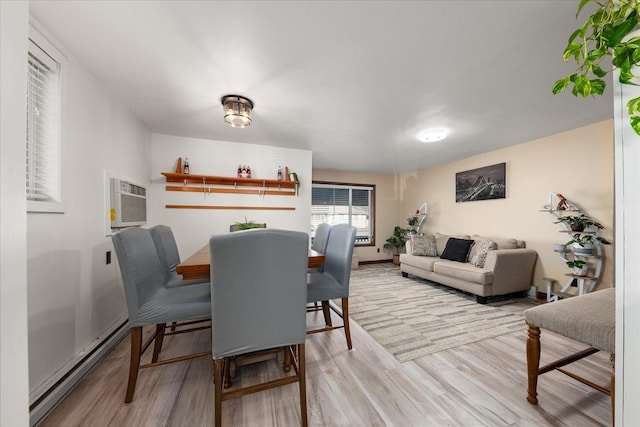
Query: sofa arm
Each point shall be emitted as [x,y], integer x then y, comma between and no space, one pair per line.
[512,269]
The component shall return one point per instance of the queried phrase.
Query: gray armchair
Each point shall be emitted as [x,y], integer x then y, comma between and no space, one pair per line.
[333,281]
[150,301]
[258,302]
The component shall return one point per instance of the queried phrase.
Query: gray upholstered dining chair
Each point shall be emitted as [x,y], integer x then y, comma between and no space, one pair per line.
[170,257]
[333,281]
[321,238]
[151,302]
[258,302]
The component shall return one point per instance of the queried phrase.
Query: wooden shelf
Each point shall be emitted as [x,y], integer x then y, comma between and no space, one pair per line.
[211,184]
[230,181]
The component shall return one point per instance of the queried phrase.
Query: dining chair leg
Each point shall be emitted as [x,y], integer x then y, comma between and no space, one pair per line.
[218,381]
[302,384]
[345,320]
[134,363]
[157,344]
[326,311]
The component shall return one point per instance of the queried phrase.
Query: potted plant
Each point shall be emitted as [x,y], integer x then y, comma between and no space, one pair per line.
[583,243]
[579,267]
[414,223]
[579,223]
[608,32]
[396,242]
[246,225]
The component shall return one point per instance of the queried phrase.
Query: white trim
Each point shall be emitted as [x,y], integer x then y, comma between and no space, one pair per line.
[66,378]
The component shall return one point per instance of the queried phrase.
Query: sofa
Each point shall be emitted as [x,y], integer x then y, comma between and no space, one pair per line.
[482,266]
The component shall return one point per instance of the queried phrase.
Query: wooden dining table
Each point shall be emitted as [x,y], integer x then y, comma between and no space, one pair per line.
[198,265]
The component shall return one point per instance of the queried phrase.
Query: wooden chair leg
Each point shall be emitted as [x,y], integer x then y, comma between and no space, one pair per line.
[302,383]
[533,363]
[327,313]
[345,320]
[287,360]
[218,380]
[157,345]
[134,363]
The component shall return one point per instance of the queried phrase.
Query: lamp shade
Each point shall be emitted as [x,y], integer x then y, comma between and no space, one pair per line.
[237,110]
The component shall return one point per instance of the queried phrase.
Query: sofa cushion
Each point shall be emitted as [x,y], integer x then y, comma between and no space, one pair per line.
[482,248]
[422,262]
[423,245]
[466,272]
[457,249]
[501,242]
[441,241]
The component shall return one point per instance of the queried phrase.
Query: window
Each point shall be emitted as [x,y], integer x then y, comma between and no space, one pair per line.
[344,204]
[42,131]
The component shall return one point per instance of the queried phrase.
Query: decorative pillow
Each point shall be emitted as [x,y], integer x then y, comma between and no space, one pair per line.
[457,249]
[423,245]
[483,248]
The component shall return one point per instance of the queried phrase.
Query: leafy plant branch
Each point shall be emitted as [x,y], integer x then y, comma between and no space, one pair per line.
[603,35]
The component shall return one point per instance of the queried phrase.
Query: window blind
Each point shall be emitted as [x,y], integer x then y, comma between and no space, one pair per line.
[343,204]
[42,146]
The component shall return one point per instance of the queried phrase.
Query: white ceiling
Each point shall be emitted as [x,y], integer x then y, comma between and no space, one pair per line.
[354,82]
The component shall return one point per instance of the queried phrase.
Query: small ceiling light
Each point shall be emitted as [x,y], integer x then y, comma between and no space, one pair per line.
[237,110]
[432,135]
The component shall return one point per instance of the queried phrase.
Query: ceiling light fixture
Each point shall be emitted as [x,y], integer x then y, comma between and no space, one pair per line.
[237,110]
[432,135]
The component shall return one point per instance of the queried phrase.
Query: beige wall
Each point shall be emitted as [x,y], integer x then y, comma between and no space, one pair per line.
[388,206]
[577,164]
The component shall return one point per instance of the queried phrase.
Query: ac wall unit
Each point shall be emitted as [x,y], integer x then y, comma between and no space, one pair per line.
[128,204]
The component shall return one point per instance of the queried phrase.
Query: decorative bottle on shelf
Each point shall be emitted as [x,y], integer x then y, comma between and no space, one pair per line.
[239,171]
[185,168]
[248,171]
[279,173]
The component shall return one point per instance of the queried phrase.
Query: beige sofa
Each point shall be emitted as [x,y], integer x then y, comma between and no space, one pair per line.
[507,269]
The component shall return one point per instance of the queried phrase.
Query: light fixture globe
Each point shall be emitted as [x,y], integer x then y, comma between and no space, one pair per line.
[237,110]
[432,135]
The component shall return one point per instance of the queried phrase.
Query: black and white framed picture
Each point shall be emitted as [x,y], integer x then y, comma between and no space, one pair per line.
[481,184]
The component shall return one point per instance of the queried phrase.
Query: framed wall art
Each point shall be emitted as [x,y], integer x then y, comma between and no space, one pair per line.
[481,184]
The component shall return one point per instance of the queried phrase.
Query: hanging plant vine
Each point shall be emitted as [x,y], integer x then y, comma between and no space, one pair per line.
[604,34]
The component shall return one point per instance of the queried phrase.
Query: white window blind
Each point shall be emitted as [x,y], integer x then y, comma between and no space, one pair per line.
[42,133]
[344,204]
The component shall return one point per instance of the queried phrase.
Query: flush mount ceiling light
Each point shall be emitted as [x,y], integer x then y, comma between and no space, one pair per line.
[237,110]
[432,135]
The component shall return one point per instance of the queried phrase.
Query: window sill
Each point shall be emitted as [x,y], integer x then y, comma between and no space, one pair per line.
[44,207]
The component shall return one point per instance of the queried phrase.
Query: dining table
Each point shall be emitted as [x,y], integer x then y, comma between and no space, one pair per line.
[198,265]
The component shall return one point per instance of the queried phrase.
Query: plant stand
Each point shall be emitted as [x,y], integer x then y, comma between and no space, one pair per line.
[556,205]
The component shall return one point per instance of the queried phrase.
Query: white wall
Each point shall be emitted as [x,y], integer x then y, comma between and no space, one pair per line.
[14,375]
[193,227]
[74,298]
[627,254]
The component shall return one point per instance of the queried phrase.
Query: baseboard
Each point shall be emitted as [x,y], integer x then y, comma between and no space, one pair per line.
[377,261]
[48,395]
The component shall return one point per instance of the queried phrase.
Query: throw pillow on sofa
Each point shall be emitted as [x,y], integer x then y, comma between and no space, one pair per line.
[457,249]
[482,249]
[423,245]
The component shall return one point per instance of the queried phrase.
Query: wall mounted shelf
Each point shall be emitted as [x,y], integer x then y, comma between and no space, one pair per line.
[213,184]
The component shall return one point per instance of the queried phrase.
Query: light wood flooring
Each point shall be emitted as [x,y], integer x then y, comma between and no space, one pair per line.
[479,384]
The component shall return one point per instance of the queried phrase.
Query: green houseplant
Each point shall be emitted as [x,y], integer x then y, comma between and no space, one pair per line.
[606,33]
[246,225]
[579,223]
[396,242]
[578,266]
